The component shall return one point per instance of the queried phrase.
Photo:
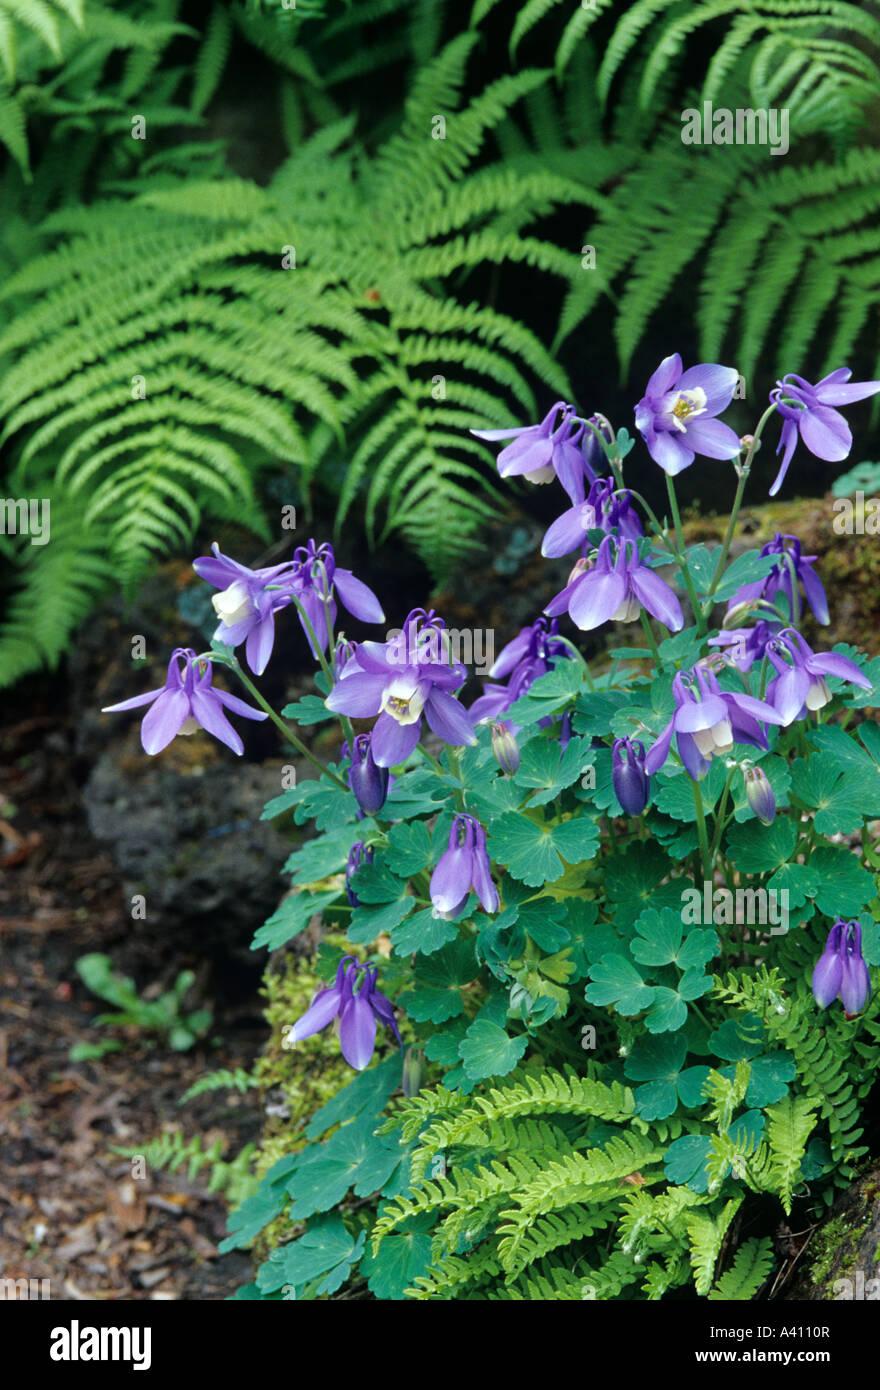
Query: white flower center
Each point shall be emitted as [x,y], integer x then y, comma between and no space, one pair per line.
[628,611]
[818,694]
[689,404]
[403,700]
[233,605]
[541,475]
[715,741]
[189,726]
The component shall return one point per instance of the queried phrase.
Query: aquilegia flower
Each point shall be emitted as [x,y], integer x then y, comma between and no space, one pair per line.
[367,780]
[505,748]
[354,999]
[246,604]
[401,680]
[316,582]
[186,702]
[841,971]
[532,653]
[616,588]
[676,415]
[538,453]
[604,509]
[358,854]
[708,721]
[628,776]
[800,683]
[744,645]
[791,566]
[462,867]
[808,412]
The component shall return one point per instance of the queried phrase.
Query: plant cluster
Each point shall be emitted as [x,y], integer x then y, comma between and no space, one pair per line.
[611,926]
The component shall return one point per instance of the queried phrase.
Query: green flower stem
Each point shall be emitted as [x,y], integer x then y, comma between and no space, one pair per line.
[283,727]
[682,562]
[649,633]
[744,470]
[720,822]
[702,832]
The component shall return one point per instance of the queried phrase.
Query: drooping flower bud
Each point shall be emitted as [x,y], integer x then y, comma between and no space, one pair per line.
[759,794]
[413,1071]
[358,854]
[368,781]
[628,776]
[505,748]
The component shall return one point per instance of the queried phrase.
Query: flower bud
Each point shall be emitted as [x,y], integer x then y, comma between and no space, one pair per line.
[505,748]
[628,776]
[358,854]
[413,1071]
[759,794]
[368,782]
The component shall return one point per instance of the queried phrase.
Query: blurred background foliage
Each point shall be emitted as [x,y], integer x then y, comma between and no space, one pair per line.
[353,230]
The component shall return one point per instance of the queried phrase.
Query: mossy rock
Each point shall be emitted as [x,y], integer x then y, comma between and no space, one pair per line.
[842,1259]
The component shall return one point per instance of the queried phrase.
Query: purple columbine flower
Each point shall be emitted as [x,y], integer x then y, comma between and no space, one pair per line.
[538,453]
[462,867]
[400,680]
[247,603]
[187,701]
[368,781]
[317,580]
[808,412]
[358,854]
[759,794]
[676,415]
[800,684]
[791,567]
[354,999]
[628,776]
[605,509]
[616,588]
[841,971]
[532,653]
[744,645]
[708,721]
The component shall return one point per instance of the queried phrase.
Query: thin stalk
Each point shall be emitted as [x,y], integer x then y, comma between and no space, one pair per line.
[702,832]
[285,728]
[682,563]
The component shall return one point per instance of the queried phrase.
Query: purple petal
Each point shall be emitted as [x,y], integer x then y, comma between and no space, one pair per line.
[655,594]
[839,394]
[237,706]
[825,433]
[451,880]
[359,695]
[511,654]
[827,978]
[448,718]
[713,439]
[719,384]
[695,715]
[208,710]
[510,432]
[758,709]
[691,756]
[855,984]
[670,452]
[833,664]
[135,702]
[787,444]
[597,598]
[567,532]
[164,721]
[260,642]
[525,456]
[815,592]
[665,376]
[323,1009]
[392,742]
[788,693]
[659,751]
[357,1031]
[358,597]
